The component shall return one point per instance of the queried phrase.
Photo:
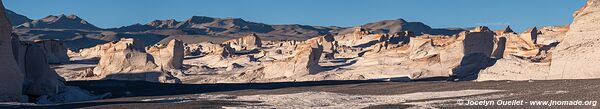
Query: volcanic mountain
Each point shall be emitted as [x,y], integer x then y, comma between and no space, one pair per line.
[401,25]
[59,22]
[232,27]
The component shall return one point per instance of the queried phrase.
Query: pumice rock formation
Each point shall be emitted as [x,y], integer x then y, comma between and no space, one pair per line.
[11,78]
[475,46]
[329,46]
[124,57]
[577,56]
[40,79]
[128,60]
[55,50]
[245,43]
[168,56]
[305,61]
[26,73]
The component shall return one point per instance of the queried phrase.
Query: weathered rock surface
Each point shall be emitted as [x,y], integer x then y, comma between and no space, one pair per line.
[56,51]
[169,56]
[127,60]
[305,62]
[40,79]
[577,56]
[12,78]
[245,43]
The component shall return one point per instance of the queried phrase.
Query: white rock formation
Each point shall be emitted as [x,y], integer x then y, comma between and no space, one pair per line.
[305,62]
[127,60]
[329,46]
[169,56]
[245,43]
[576,57]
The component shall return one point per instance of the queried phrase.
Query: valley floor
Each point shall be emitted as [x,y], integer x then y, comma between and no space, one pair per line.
[327,94]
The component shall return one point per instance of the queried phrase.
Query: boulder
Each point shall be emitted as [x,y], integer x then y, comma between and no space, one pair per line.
[576,57]
[168,56]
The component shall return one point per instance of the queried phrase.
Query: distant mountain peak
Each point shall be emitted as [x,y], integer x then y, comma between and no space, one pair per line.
[200,19]
[59,22]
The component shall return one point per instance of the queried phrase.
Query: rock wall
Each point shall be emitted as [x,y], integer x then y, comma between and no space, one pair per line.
[11,78]
[40,79]
[576,57]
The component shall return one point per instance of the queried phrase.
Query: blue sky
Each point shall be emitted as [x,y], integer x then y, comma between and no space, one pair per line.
[520,14]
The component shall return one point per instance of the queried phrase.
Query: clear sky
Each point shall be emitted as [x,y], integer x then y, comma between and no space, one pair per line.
[520,14]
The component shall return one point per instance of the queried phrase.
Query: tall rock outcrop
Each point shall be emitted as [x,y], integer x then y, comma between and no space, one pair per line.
[329,46]
[11,78]
[521,45]
[476,46]
[245,43]
[40,79]
[576,57]
[126,59]
[55,50]
[305,62]
[168,56]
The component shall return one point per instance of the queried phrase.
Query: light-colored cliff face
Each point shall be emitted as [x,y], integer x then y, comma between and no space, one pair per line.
[11,78]
[577,56]
[168,56]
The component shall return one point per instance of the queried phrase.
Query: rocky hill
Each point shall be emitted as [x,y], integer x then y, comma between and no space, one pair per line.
[58,22]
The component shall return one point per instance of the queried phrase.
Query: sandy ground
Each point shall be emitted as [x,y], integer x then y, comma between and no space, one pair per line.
[327,94]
